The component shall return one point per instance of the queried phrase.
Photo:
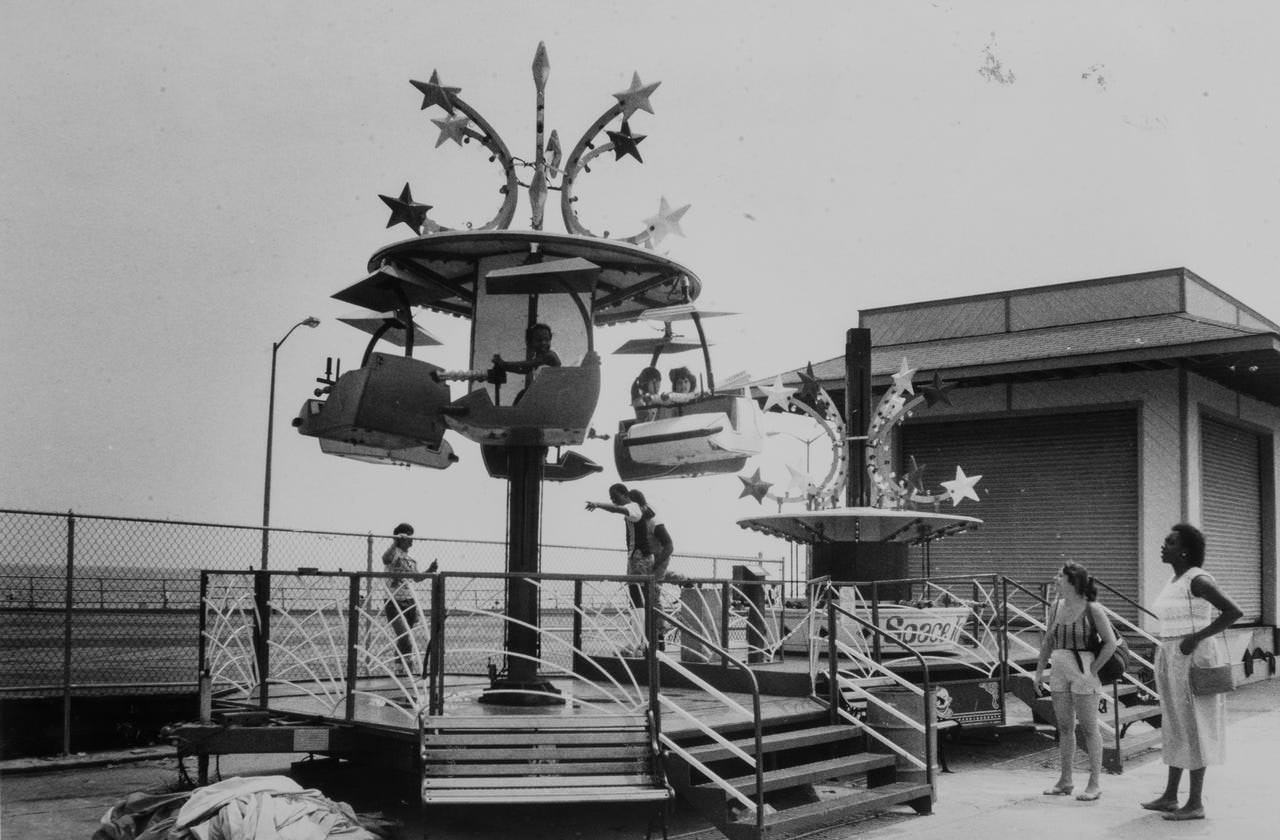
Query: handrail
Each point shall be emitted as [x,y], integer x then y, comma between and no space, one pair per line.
[1124,598]
[832,610]
[756,731]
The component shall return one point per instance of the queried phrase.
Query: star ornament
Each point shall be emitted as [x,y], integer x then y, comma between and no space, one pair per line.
[962,487]
[937,392]
[624,142]
[754,486]
[777,394]
[434,93]
[810,390]
[799,482]
[452,127]
[914,479]
[666,222]
[636,97]
[404,210]
[902,379]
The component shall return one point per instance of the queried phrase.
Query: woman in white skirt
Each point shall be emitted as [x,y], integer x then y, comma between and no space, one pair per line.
[1193,727]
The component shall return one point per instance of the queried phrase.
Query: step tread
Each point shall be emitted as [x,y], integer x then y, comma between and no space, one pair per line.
[1135,743]
[814,716]
[1129,714]
[775,741]
[814,814]
[800,774]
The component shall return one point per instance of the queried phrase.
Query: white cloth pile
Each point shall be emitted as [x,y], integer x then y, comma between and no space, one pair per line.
[265,808]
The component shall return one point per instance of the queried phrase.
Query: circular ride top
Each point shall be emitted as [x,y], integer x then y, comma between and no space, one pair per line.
[443,267]
[509,284]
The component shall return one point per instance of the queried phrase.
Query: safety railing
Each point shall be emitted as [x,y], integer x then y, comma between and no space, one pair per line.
[837,684]
[755,760]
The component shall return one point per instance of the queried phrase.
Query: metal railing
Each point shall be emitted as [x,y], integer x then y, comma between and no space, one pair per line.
[101,606]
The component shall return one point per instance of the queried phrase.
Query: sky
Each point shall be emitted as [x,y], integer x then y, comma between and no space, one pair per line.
[184,182]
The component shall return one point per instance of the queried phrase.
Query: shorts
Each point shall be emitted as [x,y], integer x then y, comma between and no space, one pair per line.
[1066,675]
[407,610]
[640,564]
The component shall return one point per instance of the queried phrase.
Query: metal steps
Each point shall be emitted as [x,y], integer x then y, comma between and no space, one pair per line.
[807,750]
[828,812]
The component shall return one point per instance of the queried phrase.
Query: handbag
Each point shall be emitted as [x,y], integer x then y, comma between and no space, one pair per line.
[1208,680]
[1117,664]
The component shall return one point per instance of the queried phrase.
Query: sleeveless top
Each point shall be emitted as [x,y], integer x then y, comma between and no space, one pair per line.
[1180,611]
[1073,636]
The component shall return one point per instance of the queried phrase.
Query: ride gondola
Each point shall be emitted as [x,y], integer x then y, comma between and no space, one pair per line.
[685,435]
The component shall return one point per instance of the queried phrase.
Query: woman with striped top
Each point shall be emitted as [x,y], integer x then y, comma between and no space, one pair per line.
[1073,675]
[1193,727]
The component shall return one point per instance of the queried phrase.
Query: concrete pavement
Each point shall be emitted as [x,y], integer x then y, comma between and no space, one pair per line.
[994,792]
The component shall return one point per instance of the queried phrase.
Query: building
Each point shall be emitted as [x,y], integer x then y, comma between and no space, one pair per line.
[1098,413]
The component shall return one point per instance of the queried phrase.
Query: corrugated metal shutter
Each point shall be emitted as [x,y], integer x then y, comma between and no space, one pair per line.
[1231,487]
[1054,488]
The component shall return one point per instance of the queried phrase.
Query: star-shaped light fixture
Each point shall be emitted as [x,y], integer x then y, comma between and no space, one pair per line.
[452,127]
[777,394]
[754,487]
[962,487]
[902,379]
[666,222]
[636,97]
[434,93]
[404,210]
[624,142]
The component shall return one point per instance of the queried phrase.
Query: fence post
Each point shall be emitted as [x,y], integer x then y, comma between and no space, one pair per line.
[262,631]
[69,605]
[353,630]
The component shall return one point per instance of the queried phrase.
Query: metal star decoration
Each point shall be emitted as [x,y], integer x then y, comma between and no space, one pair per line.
[810,390]
[914,479]
[452,128]
[434,93]
[937,392]
[666,222]
[902,379]
[962,487]
[777,394]
[636,98]
[754,487]
[624,142]
[404,210]
[800,481]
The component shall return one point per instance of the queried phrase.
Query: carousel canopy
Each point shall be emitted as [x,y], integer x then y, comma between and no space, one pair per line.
[440,271]
[860,524]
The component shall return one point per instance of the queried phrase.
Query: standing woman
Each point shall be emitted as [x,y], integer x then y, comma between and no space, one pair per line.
[1073,678]
[1193,727]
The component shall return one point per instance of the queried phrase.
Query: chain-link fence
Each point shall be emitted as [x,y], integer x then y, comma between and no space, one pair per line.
[94,605]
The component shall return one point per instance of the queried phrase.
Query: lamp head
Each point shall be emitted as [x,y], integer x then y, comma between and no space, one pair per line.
[311,321]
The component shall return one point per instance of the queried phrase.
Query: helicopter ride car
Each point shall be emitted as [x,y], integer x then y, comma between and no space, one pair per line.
[681,435]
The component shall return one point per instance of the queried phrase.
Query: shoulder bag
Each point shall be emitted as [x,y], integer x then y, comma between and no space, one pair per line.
[1118,663]
[1209,679]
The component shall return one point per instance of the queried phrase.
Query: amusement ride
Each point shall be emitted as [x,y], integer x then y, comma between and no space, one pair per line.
[712,670]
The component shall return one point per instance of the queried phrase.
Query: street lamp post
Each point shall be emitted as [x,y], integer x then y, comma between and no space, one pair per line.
[271,412]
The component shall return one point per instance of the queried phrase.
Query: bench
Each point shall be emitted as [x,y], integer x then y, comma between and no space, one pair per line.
[541,759]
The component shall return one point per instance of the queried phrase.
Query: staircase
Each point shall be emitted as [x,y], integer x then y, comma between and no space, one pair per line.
[797,753]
